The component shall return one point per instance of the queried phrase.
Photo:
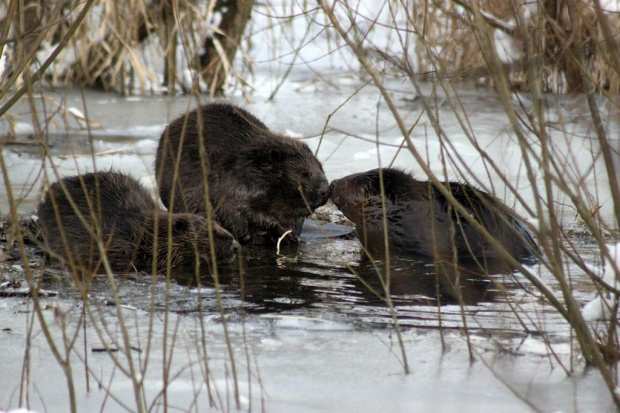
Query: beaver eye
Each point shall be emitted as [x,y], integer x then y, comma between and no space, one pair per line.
[179,226]
[275,156]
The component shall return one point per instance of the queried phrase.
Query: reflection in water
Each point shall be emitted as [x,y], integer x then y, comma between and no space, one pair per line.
[324,277]
[428,283]
[332,276]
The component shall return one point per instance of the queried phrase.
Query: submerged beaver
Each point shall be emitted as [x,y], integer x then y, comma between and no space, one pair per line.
[122,211]
[420,220]
[260,184]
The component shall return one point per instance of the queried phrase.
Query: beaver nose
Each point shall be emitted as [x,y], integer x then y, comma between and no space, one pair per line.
[324,191]
[236,247]
[331,188]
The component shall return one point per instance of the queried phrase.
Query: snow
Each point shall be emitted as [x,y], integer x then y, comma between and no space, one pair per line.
[600,307]
[23,129]
[4,63]
[293,134]
[20,410]
[508,50]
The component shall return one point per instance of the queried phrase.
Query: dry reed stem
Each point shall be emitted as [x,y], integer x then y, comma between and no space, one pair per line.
[571,311]
[440,64]
[574,317]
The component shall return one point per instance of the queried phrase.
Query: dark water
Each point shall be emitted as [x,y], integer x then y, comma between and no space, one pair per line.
[328,276]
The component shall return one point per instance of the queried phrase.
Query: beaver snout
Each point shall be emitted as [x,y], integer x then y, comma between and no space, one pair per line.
[236,247]
[333,193]
[345,194]
[325,191]
[232,252]
[338,191]
[319,193]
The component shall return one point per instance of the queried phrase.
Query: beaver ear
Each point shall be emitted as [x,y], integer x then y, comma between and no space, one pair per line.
[179,226]
[275,156]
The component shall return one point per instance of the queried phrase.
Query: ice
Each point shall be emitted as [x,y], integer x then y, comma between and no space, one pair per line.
[271,343]
[20,410]
[304,323]
[146,146]
[357,156]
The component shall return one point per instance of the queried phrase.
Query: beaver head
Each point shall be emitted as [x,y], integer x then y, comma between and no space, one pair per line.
[288,171]
[190,239]
[352,193]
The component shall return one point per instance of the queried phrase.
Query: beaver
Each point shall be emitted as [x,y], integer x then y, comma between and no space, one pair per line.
[125,214]
[420,220]
[260,184]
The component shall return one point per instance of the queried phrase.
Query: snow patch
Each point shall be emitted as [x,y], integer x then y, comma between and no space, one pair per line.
[600,307]
[293,134]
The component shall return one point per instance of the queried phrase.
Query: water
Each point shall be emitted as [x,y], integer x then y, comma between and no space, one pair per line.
[308,334]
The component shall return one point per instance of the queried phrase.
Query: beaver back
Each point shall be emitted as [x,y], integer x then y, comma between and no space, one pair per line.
[116,209]
[257,180]
[421,221]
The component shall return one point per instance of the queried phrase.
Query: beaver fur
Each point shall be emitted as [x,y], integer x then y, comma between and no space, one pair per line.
[420,220]
[261,184]
[124,214]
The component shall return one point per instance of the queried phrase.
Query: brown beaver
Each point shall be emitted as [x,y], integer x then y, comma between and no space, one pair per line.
[420,221]
[260,184]
[125,214]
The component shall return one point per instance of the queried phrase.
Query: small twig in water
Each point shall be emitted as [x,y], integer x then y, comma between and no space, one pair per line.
[280,240]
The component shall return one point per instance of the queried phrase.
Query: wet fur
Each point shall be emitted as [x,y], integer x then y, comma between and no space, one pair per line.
[126,215]
[253,173]
[421,221]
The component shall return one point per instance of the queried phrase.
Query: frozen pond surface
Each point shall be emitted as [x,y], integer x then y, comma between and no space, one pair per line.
[361,134]
[307,334]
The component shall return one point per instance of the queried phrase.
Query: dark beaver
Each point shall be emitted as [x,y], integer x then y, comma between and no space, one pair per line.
[260,184]
[420,221]
[124,214]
